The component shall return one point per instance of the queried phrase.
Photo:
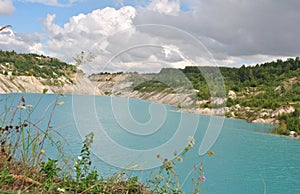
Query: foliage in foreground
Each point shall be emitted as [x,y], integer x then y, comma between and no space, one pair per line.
[24,167]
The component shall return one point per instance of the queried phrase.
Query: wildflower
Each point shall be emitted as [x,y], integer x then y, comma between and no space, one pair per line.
[42,151]
[179,159]
[165,160]
[169,167]
[175,153]
[186,148]
[203,178]
[158,156]
[211,153]
[79,158]
[191,141]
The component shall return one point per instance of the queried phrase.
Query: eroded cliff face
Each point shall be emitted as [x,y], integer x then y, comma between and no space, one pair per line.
[114,85]
[120,85]
[80,85]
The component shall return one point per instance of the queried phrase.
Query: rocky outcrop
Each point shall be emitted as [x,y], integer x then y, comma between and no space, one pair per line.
[259,116]
[294,134]
[79,85]
[180,100]
[120,85]
[231,94]
[283,110]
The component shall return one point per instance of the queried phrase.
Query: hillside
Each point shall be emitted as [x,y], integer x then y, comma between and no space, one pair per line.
[41,74]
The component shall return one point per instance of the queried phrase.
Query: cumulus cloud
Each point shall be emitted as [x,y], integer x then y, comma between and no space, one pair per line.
[111,36]
[6,7]
[85,32]
[167,7]
[51,28]
[20,42]
[150,44]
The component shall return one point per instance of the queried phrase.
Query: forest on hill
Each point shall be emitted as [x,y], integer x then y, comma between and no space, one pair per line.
[15,64]
[270,85]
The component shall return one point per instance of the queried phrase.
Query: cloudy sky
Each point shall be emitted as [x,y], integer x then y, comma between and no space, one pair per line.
[145,35]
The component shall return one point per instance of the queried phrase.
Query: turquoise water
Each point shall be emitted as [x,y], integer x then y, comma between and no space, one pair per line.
[247,159]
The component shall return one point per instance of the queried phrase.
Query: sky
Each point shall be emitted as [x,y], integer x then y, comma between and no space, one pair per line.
[146,35]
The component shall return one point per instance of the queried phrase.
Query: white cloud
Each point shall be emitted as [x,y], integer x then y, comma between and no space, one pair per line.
[173,52]
[149,48]
[114,40]
[36,48]
[6,7]
[23,43]
[51,28]
[167,7]
[85,32]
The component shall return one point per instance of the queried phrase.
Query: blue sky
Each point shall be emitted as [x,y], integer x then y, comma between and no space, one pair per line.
[230,33]
[28,16]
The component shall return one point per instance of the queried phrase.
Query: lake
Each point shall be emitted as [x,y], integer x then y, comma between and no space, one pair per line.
[128,132]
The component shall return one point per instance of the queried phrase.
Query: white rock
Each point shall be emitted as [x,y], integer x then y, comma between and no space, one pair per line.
[231,94]
[283,110]
[293,134]
[237,106]
[260,120]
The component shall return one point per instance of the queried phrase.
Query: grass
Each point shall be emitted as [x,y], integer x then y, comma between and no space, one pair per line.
[25,167]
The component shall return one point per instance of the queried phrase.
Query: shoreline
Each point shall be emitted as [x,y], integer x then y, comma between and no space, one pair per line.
[199,111]
[203,111]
